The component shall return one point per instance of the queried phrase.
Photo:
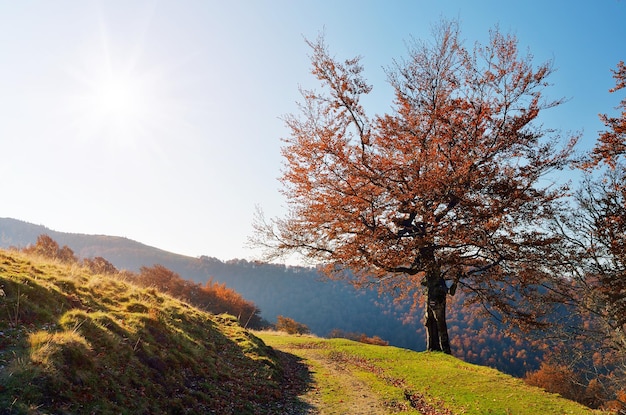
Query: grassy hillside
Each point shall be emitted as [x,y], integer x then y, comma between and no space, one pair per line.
[74,342]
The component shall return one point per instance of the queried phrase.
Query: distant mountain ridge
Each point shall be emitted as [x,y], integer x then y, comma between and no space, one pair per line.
[296,292]
[116,249]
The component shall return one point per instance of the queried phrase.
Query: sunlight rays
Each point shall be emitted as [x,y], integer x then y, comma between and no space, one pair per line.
[120,98]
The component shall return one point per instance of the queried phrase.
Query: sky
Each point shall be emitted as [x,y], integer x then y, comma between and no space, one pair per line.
[160,121]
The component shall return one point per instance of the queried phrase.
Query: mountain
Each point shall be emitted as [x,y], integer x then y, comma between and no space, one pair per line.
[303,295]
[122,252]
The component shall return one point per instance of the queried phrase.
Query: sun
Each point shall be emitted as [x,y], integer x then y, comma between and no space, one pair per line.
[113,104]
[118,99]
[121,103]
[116,103]
[121,95]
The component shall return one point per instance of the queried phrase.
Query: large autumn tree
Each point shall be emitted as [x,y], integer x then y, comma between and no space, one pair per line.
[445,191]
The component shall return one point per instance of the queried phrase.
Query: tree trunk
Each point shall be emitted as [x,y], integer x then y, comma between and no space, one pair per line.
[435,317]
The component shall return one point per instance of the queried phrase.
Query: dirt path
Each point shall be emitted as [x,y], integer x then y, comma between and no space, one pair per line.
[333,388]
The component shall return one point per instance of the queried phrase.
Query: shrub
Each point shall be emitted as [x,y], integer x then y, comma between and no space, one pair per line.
[359,337]
[290,326]
[99,265]
[568,383]
[49,248]
[213,297]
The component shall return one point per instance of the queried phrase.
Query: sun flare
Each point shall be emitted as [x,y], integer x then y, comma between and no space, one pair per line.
[122,97]
[115,109]
[123,104]
[117,98]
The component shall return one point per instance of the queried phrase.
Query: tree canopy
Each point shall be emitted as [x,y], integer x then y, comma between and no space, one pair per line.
[612,142]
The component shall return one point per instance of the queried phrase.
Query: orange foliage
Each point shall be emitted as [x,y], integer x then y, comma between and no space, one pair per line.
[290,326]
[612,143]
[49,248]
[213,297]
[589,275]
[359,337]
[618,405]
[227,300]
[556,379]
[568,383]
[99,265]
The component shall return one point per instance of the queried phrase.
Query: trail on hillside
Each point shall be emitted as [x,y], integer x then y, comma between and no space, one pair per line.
[336,376]
[328,381]
[333,388]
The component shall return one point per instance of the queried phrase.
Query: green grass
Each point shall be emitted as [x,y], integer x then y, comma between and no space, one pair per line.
[440,381]
[74,342]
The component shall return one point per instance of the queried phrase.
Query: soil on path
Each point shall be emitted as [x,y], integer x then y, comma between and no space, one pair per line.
[333,389]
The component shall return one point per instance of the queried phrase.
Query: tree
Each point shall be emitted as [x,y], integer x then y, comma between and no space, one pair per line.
[49,248]
[568,383]
[100,265]
[556,379]
[290,326]
[443,192]
[605,206]
[213,297]
[227,300]
[593,257]
[589,283]
[612,142]
[163,279]
[589,271]
[45,246]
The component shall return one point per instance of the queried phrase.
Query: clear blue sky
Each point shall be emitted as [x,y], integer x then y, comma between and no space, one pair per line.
[160,120]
